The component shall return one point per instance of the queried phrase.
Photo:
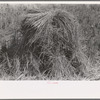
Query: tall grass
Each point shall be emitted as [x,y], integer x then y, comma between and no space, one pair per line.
[42,42]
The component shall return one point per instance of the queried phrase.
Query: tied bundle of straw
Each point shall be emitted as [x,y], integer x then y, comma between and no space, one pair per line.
[50,36]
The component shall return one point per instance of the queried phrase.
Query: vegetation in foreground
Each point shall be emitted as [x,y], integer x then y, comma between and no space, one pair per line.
[49,42]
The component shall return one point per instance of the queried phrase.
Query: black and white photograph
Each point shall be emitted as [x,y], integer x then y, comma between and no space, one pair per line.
[49,41]
[50,50]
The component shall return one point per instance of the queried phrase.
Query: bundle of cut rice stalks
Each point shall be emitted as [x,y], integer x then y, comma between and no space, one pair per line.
[52,37]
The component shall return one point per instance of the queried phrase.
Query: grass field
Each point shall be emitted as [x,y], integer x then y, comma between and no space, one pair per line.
[49,42]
